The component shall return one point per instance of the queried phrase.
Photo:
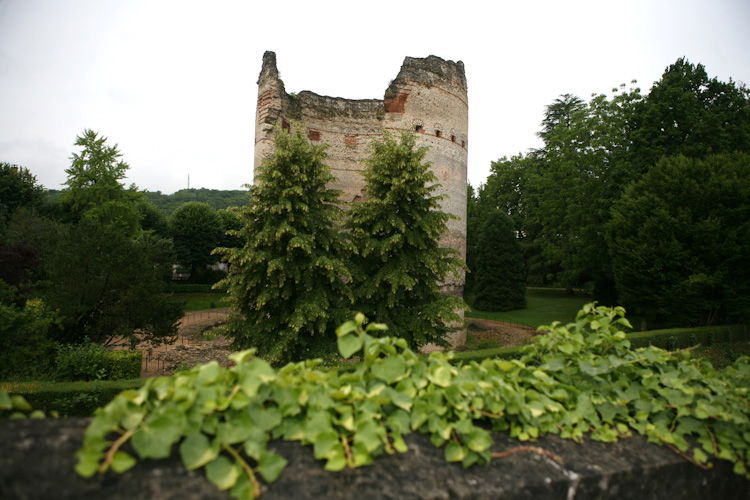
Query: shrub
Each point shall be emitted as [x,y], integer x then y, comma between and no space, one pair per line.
[25,348]
[94,362]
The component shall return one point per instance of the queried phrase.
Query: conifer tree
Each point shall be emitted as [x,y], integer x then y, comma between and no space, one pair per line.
[500,274]
[288,281]
[399,265]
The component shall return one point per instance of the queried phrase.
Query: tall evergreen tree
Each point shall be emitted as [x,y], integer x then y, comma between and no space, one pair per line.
[500,274]
[400,266]
[288,281]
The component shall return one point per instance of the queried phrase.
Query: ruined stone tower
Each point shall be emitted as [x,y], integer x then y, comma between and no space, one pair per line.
[428,96]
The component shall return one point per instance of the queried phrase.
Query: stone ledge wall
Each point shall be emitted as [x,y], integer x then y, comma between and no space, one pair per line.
[37,462]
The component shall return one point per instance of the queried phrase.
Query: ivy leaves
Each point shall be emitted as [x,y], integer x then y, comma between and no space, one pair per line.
[580,378]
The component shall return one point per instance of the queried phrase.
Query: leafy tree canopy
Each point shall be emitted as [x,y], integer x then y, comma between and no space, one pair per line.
[104,273]
[218,199]
[18,188]
[94,175]
[688,113]
[196,230]
[681,236]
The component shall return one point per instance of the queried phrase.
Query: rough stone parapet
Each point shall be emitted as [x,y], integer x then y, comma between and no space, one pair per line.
[38,459]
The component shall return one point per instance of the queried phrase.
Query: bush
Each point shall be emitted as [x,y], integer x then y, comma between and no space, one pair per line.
[25,348]
[94,362]
[680,338]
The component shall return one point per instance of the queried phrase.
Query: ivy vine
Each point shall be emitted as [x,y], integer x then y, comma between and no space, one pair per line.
[16,406]
[579,379]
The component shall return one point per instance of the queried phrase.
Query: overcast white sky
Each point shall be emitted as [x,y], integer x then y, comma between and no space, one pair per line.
[174,82]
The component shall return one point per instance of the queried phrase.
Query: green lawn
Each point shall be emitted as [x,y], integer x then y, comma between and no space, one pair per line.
[543,306]
[200,301]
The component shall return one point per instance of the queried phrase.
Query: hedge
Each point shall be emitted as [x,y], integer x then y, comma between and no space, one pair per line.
[680,338]
[70,399]
[671,339]
[94,362]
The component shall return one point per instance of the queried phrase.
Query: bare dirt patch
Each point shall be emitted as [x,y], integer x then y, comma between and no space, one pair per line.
[192,347]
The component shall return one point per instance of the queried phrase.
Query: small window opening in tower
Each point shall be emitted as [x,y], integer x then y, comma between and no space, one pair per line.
[285,125]
[419,128]
[453,138]
[437,133]
[463,144]
[313,135]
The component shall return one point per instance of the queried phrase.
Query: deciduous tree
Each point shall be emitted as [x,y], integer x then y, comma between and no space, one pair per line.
[18,188]
[680,241]
[104,273]
[196,230]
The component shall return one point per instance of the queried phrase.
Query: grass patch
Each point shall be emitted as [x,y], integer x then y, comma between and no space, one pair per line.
[543,306]
[474,344]
[200,301]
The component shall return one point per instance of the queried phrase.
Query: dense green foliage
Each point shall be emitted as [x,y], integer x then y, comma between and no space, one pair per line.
[94,362]
[195,231]
[399,265]
[94,186]
[217,199]
[95,273]
[582,379]
[105,284]
[561,196]
[681,235]
[288,282]
[687,113]
[18,188]
[499,275]
[26,349]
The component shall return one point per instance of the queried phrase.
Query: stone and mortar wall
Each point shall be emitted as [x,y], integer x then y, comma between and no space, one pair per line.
[428,96]
[39,456]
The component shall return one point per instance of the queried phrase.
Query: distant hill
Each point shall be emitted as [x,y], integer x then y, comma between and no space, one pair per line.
[218,199]
[167,203]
